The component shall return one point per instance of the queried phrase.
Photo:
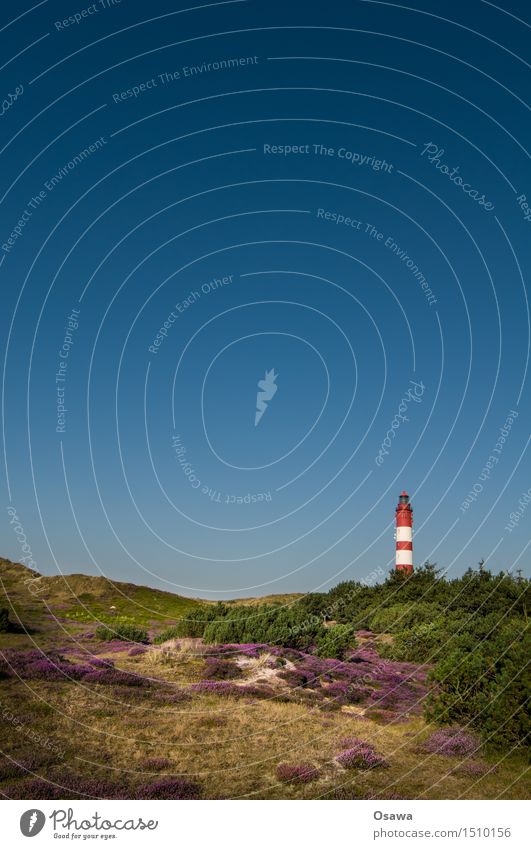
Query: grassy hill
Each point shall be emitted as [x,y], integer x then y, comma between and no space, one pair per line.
[274,598]
[85,599]
[89,598]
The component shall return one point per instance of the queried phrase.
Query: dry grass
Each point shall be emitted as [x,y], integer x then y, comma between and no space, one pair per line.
[233,747]
[257,663]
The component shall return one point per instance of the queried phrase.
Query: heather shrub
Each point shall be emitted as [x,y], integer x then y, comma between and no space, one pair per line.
[293,678]
[51,670]
[10,769]
[345,693]
[169,788]
[94,788]
[137,650]
[337,794]
[33,664]
[128,633]
[451,741]
[396,695]
[255,691]
[475,769]
[19,765]
[33,788]
[220,688]
[4,619]
[350,742]
[65,785]
[218,669]
[297,773]
[360,755]
[100,663]
[250,650]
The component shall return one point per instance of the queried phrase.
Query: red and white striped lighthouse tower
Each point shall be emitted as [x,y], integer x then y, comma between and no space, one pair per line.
[404,535]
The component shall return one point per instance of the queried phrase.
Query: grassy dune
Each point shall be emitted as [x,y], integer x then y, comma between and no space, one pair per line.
[84,598]
[153,731]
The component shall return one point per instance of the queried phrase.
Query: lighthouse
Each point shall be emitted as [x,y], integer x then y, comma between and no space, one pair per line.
[404,535]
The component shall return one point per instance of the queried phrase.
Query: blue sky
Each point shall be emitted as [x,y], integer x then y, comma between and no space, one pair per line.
[336,192]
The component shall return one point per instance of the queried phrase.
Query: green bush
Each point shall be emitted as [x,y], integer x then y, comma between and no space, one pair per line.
[460,625]
[265,623]
[129,633]
[171,633]
[335,641]
[507,718]
[484,682]
[194,623]
[403,616]
[313,603]
[421,643]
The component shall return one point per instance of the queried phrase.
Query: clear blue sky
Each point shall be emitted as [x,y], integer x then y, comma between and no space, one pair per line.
[330,190]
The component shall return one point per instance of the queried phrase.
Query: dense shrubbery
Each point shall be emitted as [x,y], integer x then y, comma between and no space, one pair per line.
[169,788]
[128,633]
[34,665]
[219,669]
[472,631]
[335,641]
[273,624]
[194,624]
[483,679]
[298,626]
[399,605]
[402,616]
[419,643]
[469,631]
